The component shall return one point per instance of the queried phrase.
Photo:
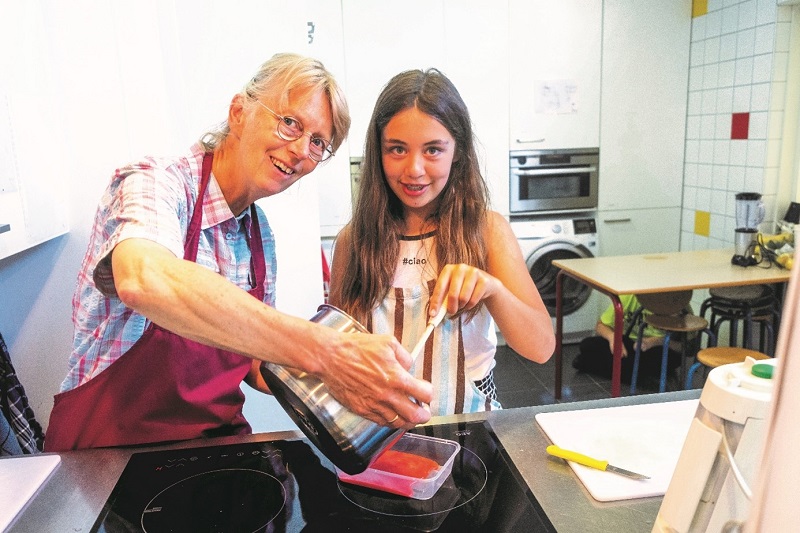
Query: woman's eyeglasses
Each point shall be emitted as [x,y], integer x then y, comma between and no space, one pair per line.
[291,129]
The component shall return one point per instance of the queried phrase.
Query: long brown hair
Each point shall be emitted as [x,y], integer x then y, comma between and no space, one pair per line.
[460,217]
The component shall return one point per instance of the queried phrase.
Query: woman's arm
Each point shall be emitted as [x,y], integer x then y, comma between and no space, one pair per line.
[367,373]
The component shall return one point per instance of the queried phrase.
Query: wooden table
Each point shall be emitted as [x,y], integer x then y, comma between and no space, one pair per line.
[649,273]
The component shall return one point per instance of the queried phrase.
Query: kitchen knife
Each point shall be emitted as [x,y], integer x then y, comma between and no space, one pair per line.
[593,463]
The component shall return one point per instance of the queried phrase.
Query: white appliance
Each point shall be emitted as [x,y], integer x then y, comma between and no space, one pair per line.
[710,487]
[544,239]
[21,477]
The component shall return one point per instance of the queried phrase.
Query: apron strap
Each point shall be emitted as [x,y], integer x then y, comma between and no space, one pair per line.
[193,232]
[257,262]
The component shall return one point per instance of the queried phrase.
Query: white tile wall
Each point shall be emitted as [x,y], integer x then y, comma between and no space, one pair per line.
[738,61]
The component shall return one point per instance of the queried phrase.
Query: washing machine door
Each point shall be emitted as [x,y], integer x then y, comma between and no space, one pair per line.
[539,262]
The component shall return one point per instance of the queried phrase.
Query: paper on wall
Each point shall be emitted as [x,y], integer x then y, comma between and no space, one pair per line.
[556,97]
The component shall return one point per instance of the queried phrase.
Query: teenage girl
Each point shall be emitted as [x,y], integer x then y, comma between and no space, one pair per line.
[422,236]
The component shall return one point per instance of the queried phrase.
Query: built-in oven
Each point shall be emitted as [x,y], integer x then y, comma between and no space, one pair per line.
[553,180]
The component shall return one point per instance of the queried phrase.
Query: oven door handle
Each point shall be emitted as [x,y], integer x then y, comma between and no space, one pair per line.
[553,171]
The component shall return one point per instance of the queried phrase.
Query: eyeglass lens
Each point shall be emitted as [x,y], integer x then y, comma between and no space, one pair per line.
[290,129]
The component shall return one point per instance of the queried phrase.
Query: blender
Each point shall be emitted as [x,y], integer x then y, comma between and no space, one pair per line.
[749,214]
[710,487]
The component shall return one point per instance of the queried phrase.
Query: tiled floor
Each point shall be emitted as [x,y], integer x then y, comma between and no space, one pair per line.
[522,383]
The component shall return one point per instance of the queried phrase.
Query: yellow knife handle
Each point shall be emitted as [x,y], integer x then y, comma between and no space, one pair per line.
[576,457]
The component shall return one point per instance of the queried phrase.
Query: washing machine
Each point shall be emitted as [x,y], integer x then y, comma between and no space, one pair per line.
[544,239]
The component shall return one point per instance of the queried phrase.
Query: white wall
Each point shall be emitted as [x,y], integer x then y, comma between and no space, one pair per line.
[136,78]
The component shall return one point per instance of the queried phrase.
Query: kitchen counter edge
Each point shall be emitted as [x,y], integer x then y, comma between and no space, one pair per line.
[75,494]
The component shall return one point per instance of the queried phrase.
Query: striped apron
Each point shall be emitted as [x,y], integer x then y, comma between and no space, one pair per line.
[404,314]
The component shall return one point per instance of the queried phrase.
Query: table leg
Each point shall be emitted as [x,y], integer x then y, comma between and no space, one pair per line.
[616,366]
[559,332]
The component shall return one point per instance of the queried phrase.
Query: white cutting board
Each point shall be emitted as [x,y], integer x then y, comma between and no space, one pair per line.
[20,479]
[646,439]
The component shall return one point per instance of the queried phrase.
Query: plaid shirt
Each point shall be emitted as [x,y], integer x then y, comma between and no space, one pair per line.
[154,199]
[20,432]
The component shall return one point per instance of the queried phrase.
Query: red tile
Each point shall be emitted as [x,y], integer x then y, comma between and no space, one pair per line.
[740,124]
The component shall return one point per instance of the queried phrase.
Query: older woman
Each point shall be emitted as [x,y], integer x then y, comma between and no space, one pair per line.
[165,330]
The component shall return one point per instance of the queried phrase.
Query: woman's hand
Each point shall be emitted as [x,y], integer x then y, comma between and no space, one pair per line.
[369,374]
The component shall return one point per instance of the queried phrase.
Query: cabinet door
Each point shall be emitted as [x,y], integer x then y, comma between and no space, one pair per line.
[476,61]
[32,145]
[380,42]
[555,73]
[466,39]
[644,95]
[638,231]
[323,26]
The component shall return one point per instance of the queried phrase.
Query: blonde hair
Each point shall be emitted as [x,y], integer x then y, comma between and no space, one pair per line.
[286,72]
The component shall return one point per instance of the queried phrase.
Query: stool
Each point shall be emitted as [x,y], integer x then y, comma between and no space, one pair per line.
[749,304]
[721,355]
[670,315]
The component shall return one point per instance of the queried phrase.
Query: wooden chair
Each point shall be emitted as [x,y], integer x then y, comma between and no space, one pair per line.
[669,313]
[721,355]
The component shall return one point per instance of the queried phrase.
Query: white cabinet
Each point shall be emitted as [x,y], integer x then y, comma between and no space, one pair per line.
[323,26]
[32,160]
[381,42]
[377,44]
[554,73]
[643,98]
[466,39]
[476,60]
[642,126]
[638,231]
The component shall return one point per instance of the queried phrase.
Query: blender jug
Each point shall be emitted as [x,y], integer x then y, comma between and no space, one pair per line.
[749,211]
[749,214]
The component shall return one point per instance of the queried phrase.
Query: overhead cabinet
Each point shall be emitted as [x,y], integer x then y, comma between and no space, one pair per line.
[535,74]
[554,73]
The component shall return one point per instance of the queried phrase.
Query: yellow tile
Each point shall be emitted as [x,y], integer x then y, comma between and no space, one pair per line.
[702,223]
[699,8]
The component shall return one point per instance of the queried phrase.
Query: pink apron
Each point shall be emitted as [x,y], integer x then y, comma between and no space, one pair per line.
[165,387]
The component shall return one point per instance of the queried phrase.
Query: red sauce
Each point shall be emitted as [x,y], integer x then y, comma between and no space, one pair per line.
[405,464]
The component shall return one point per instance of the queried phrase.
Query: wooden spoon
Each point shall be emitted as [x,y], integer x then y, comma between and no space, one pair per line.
[432,323]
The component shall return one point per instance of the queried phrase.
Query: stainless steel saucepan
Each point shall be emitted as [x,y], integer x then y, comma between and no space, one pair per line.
[347,439]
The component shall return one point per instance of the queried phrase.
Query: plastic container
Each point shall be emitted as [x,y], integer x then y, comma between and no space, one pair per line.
[415,467]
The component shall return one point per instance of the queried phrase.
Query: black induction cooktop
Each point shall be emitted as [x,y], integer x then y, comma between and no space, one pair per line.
[288,485]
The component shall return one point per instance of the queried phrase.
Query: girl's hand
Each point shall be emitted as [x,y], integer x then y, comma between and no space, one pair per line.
[461,287]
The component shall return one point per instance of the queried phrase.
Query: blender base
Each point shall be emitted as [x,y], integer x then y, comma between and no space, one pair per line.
[744,261]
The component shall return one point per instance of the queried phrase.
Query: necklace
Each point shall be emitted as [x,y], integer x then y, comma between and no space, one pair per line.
[417,237]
